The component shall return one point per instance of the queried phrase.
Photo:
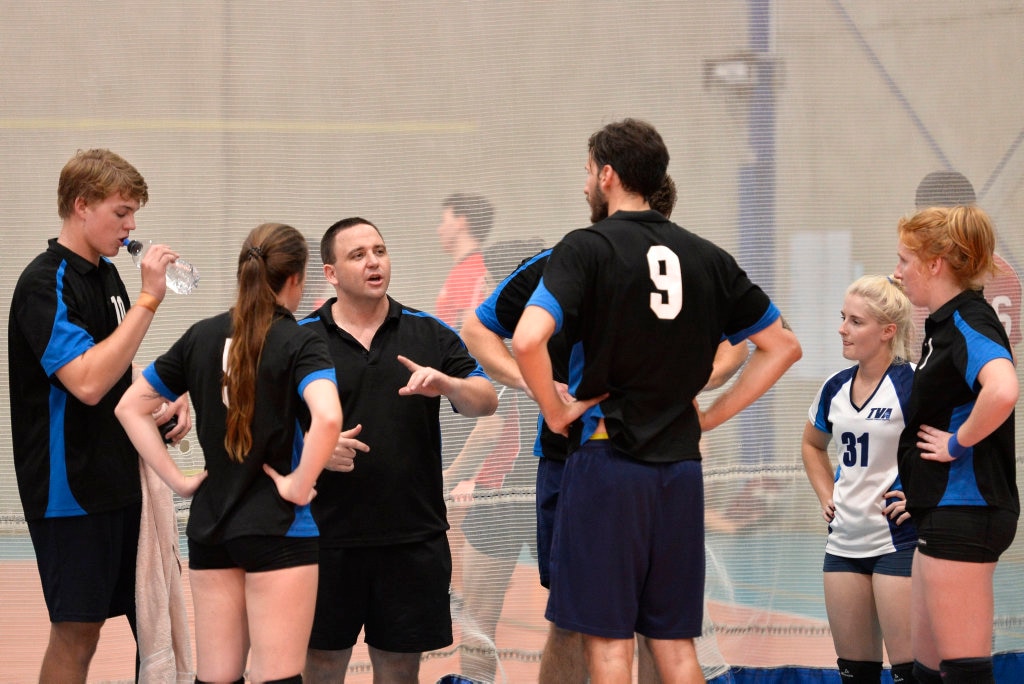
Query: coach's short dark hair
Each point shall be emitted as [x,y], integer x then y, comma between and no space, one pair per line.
[327,241]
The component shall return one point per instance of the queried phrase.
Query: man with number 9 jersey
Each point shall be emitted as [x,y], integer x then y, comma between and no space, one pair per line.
[644,304]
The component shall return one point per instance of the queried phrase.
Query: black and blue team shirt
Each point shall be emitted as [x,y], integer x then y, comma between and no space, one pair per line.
[70,458]
[395,494]
[960,338]
[646,304]
[500,313]
[239,499]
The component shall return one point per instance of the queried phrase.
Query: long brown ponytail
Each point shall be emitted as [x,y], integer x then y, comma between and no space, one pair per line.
[270,255]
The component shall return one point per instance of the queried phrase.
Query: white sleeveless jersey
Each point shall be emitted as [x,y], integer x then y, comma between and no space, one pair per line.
[866,439]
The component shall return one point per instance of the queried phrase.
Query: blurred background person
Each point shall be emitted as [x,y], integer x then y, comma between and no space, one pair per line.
[466,223]
[489,476]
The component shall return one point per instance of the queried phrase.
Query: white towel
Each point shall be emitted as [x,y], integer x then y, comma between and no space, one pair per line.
[165,647]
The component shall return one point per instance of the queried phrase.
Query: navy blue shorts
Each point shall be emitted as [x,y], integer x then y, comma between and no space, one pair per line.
[897,564]
[398,593]
[628,548]
[87,564]
[970,534]
[549,486]
[254,553]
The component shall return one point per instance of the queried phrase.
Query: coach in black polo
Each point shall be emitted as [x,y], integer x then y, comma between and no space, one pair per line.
[385,565]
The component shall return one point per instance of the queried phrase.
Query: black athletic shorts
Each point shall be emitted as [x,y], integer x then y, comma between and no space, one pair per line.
[87,564]
[254,553]
[398,593]
[971,534]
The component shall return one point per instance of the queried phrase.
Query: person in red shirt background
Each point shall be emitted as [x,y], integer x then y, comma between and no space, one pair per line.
[466,222]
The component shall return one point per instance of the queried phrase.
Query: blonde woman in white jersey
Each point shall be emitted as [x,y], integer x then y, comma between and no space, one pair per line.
[871,539]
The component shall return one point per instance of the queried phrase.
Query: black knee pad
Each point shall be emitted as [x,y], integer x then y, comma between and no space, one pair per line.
[903,673]
[295,679]
[967,671]
[859,671]
[926,675]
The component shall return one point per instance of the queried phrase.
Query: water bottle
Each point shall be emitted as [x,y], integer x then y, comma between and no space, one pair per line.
[182,277]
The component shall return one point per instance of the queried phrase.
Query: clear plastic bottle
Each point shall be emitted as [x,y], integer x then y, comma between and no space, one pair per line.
[182,277]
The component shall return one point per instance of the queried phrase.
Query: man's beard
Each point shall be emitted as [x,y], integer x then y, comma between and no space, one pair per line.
[598,205]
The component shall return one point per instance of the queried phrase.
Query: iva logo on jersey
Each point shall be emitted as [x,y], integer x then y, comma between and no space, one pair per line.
[880,414]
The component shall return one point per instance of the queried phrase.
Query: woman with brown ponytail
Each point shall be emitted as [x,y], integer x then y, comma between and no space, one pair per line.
[266,400]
